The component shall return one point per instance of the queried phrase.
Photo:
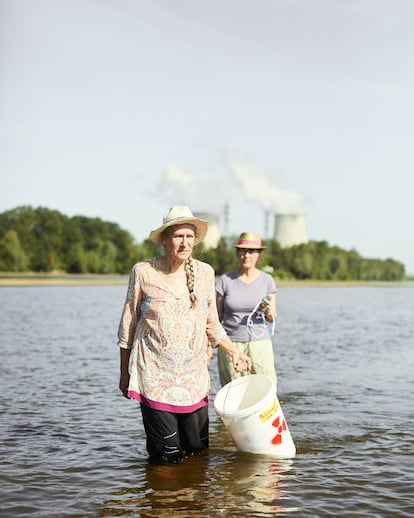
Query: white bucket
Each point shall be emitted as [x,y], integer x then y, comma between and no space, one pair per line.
[251,412]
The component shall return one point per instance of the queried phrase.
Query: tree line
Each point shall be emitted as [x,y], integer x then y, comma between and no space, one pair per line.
[45,240]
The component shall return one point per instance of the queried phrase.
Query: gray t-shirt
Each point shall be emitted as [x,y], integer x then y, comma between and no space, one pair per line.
[240,299]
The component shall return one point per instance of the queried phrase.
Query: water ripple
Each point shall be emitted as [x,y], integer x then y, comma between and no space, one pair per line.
[72,446]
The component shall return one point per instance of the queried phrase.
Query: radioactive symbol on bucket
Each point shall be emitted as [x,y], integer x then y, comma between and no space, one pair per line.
[281,427]
[251,412]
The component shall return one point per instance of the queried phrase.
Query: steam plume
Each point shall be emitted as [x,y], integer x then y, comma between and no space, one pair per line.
[180,187]
[258,186]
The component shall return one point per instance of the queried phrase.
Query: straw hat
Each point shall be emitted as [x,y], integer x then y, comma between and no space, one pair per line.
[250,240]
[179,215]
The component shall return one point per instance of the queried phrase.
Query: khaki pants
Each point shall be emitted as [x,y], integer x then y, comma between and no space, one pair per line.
[259,351]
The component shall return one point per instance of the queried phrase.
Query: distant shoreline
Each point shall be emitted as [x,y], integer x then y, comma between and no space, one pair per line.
[61,279]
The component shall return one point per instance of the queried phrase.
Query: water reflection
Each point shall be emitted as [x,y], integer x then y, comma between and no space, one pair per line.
[163,490]
[253,484]
[216,484]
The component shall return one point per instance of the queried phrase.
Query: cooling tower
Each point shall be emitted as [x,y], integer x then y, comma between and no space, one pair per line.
[213,234]
[290,229]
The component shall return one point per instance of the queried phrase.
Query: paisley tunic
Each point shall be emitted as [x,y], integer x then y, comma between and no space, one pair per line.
[168,363]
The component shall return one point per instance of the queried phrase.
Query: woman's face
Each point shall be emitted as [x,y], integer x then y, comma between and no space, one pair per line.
[179,241]
[248,257]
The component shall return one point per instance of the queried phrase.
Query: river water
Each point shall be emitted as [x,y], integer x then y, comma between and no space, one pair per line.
[72,446]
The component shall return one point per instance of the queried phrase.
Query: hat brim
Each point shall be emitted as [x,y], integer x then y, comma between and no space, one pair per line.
[200,225]
[250,247]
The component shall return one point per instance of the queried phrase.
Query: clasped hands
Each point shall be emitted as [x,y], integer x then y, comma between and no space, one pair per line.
[241,362]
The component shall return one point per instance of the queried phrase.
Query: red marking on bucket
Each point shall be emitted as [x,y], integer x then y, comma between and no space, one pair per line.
[277,439]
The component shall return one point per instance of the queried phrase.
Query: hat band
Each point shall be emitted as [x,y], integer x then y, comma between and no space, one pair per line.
[249,242]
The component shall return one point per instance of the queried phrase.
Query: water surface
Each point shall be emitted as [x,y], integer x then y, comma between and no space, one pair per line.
[71,445]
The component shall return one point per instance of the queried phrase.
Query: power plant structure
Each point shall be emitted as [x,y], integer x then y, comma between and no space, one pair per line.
[290,229]
[213,234]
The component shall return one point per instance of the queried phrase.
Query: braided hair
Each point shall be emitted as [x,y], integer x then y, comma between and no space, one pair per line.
[189,270]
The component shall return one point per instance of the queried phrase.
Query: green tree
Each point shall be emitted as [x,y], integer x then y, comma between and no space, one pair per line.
[12,256]
[225,258]
[76,260]
[44,240]
[301,262]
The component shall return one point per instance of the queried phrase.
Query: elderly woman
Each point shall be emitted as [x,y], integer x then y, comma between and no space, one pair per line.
[168,322]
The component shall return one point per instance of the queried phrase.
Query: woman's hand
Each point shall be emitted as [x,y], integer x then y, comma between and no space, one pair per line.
[268,307]
[123,384]
[241,362]
[124,372]
[267,311]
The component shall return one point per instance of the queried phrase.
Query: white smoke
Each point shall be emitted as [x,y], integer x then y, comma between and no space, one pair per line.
[180,187]
[258,186]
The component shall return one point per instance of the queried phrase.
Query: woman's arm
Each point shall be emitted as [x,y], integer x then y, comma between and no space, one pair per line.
[126,330]
[130,312]
[241,362]
[220,305]
[216,334]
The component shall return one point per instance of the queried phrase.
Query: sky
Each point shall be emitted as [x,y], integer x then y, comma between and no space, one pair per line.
[119,109]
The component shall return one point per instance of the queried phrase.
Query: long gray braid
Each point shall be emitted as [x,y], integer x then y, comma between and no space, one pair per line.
[189,270]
